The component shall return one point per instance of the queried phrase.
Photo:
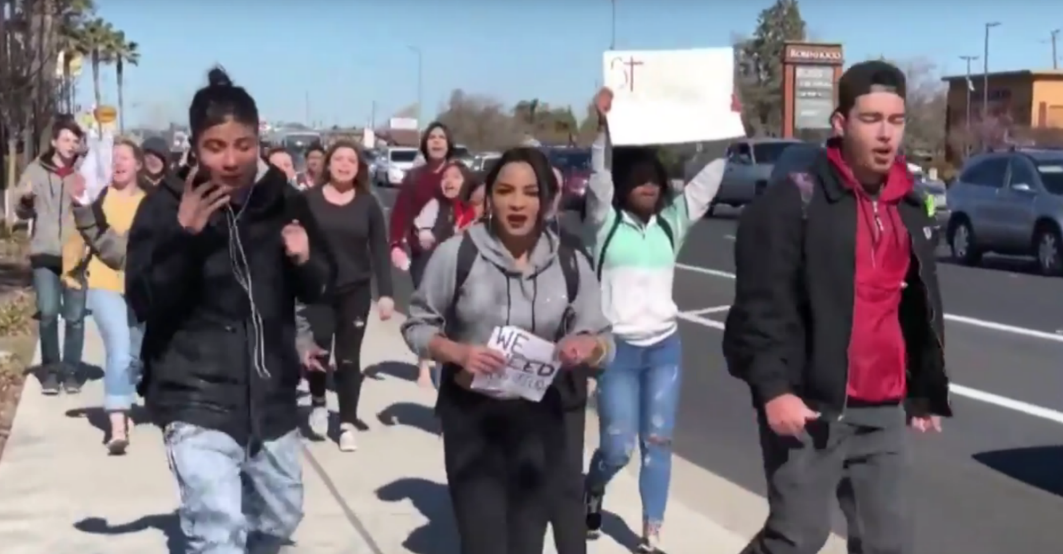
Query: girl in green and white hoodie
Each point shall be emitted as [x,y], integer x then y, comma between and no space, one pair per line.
[636,227]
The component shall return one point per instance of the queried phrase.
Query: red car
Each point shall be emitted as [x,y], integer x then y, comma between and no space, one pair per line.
[575,167]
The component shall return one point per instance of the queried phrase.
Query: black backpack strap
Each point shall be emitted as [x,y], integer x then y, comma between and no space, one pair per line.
[467,254]
[605,243]
[667,228]
[566,254]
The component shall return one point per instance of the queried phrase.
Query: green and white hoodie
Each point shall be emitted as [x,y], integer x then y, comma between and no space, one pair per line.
[639,264]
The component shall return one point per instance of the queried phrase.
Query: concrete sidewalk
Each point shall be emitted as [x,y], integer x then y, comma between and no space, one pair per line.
[60,492]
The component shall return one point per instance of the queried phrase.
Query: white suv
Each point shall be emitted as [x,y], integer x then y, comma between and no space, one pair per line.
[393,164]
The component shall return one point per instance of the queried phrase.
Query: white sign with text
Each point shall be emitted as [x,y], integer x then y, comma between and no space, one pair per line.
[531,366]
[672,96]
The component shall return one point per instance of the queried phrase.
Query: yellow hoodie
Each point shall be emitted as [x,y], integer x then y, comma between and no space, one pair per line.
[96,254]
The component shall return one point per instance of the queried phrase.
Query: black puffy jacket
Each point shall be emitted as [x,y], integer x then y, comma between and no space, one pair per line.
[219,306]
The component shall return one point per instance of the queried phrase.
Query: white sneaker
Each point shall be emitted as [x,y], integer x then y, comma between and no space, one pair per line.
[348,439]
[318,422]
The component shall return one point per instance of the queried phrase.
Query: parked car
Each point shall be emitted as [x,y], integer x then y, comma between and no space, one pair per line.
[481,163]
[575,167]
[392,164]
[749,165]
[1009,203]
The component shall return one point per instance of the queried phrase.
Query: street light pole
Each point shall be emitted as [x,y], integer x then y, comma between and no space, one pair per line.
[420,84]
[985,71]
[969,86]
[612,40]
[1055,56]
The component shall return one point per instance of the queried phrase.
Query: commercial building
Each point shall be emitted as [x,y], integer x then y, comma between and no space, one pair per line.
[1017,99]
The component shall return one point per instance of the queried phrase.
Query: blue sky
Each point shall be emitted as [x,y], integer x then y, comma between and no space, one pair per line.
[344,55]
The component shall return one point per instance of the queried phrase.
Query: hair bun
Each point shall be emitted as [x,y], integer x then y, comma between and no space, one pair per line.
[217,77]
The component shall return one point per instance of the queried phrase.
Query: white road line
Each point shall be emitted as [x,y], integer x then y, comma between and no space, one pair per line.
[706,311]
[956,388]
[974,322]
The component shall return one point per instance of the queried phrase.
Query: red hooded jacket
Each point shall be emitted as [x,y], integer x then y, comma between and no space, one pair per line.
[877,357]
[420,185]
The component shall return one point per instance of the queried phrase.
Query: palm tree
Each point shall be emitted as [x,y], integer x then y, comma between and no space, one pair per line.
[71,42]
[99,40]
[125,52]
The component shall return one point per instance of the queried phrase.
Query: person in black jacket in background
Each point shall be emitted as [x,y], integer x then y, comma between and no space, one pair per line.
[837,327]
[215,262]
[353,223]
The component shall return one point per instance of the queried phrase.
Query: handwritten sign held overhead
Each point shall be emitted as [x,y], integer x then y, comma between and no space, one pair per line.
[530,366]
[672,96]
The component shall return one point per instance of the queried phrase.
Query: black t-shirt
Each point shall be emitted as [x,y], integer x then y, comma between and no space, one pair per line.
[357,235]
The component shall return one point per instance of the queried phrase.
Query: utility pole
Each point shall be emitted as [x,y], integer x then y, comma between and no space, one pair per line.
[1055,57]
[306,108]
[612,40]
[420,85]
[970,85]
[985,71]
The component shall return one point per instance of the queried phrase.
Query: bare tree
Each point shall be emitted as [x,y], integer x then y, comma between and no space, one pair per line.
[479,121]
[926,107]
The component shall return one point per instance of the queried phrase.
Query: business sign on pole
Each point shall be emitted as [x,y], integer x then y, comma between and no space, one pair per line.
[403,124]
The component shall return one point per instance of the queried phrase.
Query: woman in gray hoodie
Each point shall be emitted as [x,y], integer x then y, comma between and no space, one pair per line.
[507,458]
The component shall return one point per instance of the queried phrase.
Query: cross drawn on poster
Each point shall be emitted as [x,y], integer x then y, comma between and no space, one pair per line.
[531,366]
[671,96]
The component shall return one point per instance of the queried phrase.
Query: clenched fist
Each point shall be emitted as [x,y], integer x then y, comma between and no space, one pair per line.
[296,243]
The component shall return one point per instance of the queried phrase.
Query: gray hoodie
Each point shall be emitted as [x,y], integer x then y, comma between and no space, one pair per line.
[50,210]
[496,294]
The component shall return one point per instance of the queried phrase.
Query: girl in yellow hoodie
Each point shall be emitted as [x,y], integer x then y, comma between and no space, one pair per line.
[95,258]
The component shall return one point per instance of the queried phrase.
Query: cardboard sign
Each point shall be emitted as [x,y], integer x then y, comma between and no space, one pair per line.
[530,366]
[672,96]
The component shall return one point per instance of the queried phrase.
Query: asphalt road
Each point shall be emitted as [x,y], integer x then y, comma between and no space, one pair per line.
[991,482]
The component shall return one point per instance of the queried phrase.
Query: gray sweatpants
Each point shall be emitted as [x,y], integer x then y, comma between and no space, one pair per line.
[860,460]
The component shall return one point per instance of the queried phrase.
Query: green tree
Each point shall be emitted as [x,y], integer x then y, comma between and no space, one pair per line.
[125,52]
[100,41]
[758,65]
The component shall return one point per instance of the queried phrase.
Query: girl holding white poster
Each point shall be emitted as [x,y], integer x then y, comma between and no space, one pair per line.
[636,230]
[508,459]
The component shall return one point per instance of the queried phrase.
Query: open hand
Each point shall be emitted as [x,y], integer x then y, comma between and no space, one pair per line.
[315,358]
[787,415]
[577,350]
[399,259]
[198,203]
[926,424]
[482,360]
[603,102]
[77,187]
[296,243]
[385,307]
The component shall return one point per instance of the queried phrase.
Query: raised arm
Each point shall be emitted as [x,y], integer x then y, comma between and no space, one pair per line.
[690,206]
[108,245]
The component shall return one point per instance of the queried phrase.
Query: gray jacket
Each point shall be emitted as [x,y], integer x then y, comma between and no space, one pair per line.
[50,209]
[106,244]
[496,294]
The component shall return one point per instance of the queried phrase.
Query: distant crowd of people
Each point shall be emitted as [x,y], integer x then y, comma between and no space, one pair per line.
[218,284]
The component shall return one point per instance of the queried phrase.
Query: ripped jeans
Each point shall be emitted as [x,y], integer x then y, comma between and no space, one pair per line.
[638,395]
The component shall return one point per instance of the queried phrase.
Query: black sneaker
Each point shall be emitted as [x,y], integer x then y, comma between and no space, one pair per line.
[592,505]
[49,383]
[71,383]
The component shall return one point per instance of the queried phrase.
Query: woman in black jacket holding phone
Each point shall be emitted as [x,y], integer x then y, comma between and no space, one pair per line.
[215,262]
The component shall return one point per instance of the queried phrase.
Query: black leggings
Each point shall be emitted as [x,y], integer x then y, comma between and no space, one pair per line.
[510,471]
[342,318]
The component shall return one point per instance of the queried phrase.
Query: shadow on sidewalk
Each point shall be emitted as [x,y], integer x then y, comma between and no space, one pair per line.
[1036,466]
[614,527]
[439,535]
[166,523]
[411,415]
[399,370]
[99,419]
[86,372]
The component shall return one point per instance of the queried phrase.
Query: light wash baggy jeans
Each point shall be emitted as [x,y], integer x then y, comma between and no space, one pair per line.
[122,338]
[234,500]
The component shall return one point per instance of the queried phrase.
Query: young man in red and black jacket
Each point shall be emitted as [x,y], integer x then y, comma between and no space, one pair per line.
[837,326]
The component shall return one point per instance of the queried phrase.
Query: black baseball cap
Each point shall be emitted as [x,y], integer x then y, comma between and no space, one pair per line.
[866,78]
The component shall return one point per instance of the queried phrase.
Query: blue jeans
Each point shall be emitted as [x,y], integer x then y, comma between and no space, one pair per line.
[638,395]
[234,500]
[121,341]
[53,298]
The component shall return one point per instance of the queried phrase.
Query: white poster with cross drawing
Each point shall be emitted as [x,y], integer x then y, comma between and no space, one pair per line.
[672,96]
